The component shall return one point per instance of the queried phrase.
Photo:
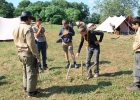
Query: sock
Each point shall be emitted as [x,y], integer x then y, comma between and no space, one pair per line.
[75,62]
[68,62]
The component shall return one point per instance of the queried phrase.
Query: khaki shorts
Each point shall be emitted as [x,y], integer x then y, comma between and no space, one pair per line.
[67,46]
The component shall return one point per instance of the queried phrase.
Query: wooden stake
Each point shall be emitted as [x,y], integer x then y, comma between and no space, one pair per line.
[82,67]
[68,71]
[90,68]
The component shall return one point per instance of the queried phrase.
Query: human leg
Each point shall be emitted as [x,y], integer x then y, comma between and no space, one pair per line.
[65,48]
[136,73]
[70,47]
[88,62]
[96,53]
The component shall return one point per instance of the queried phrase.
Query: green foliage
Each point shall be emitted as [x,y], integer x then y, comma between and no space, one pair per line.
[54,12]
[6,9]
[24,4]
[139,11]
[114,7]
[71,12]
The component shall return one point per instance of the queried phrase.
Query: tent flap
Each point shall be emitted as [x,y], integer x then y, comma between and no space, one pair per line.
[7,26]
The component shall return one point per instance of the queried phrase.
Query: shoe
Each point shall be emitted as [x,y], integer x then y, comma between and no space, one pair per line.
[46,68]
[33,94]
[89,75]
[40,70]
[76,66]
[133,87]
[67,65]
[96,74]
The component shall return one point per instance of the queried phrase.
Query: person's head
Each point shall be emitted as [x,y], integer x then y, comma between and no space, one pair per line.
[135,23]
[82,30]
[38,21]
[26,16]
[64,23]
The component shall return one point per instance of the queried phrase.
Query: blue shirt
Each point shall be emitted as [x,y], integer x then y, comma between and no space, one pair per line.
[67,38]
[40,38]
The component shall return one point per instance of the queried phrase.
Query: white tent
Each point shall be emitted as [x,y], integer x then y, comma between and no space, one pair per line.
[7,26]
[117,22]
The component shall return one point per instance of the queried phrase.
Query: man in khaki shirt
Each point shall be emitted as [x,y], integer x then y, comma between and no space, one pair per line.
[136,48]
[27,53]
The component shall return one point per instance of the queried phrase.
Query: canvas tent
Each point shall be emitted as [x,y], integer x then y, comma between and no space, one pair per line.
[7,26]
[121,22]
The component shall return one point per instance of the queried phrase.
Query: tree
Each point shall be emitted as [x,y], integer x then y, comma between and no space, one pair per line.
[138,11]
[6,9]
[60,3]
[21,7]
[24,4]
[71,12]
[83,8]
[52,13]
[94,18]
[115,7]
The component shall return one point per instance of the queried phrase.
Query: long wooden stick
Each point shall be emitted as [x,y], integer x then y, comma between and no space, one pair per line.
[68,71]
[91,67]
[82,67]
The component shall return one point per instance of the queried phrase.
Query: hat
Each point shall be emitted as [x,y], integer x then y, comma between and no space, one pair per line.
[26,14]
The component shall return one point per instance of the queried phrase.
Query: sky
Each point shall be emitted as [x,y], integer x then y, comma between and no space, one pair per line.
[90,3]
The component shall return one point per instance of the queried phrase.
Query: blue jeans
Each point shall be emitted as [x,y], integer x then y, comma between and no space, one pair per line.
[90,53]
[41,46]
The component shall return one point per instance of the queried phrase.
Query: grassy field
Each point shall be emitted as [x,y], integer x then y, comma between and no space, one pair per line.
[116,65]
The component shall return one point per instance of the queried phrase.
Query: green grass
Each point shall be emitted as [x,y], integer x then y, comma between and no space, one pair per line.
[116,65]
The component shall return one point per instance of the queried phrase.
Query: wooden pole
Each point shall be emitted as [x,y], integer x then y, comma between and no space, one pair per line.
[82,67]
[68,71]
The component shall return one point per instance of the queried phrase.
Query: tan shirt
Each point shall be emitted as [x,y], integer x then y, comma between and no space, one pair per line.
[136,44]
[24,39]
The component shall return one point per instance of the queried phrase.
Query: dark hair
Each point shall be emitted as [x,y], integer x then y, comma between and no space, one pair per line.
[38,19]
[135,20]
[82,28]
[24,18]
[64,21]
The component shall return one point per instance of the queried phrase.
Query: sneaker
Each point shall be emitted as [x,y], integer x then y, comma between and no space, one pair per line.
[40,70]
[67,65]
[96,74]
[133,87]
[76,66]
[33,94]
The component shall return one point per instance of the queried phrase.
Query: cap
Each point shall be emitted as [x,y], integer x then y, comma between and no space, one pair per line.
[26,14]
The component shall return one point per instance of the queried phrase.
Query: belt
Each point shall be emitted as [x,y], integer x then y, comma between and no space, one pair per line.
[24,52]
[137,52]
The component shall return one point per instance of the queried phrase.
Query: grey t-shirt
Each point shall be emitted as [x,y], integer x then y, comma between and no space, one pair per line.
[40,38]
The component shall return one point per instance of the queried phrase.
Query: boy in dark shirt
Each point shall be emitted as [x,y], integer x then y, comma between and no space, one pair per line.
[92,46]
[66,33]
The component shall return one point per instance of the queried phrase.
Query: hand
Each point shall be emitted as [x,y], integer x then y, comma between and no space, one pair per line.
[39,60]
[97,42]
[77,55]
[65,32]
[40,27]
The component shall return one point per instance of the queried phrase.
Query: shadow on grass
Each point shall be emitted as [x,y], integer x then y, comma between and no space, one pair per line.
[73,89]
[52,68]
[2,77]
[105,62]
[116,73]
[101,62]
